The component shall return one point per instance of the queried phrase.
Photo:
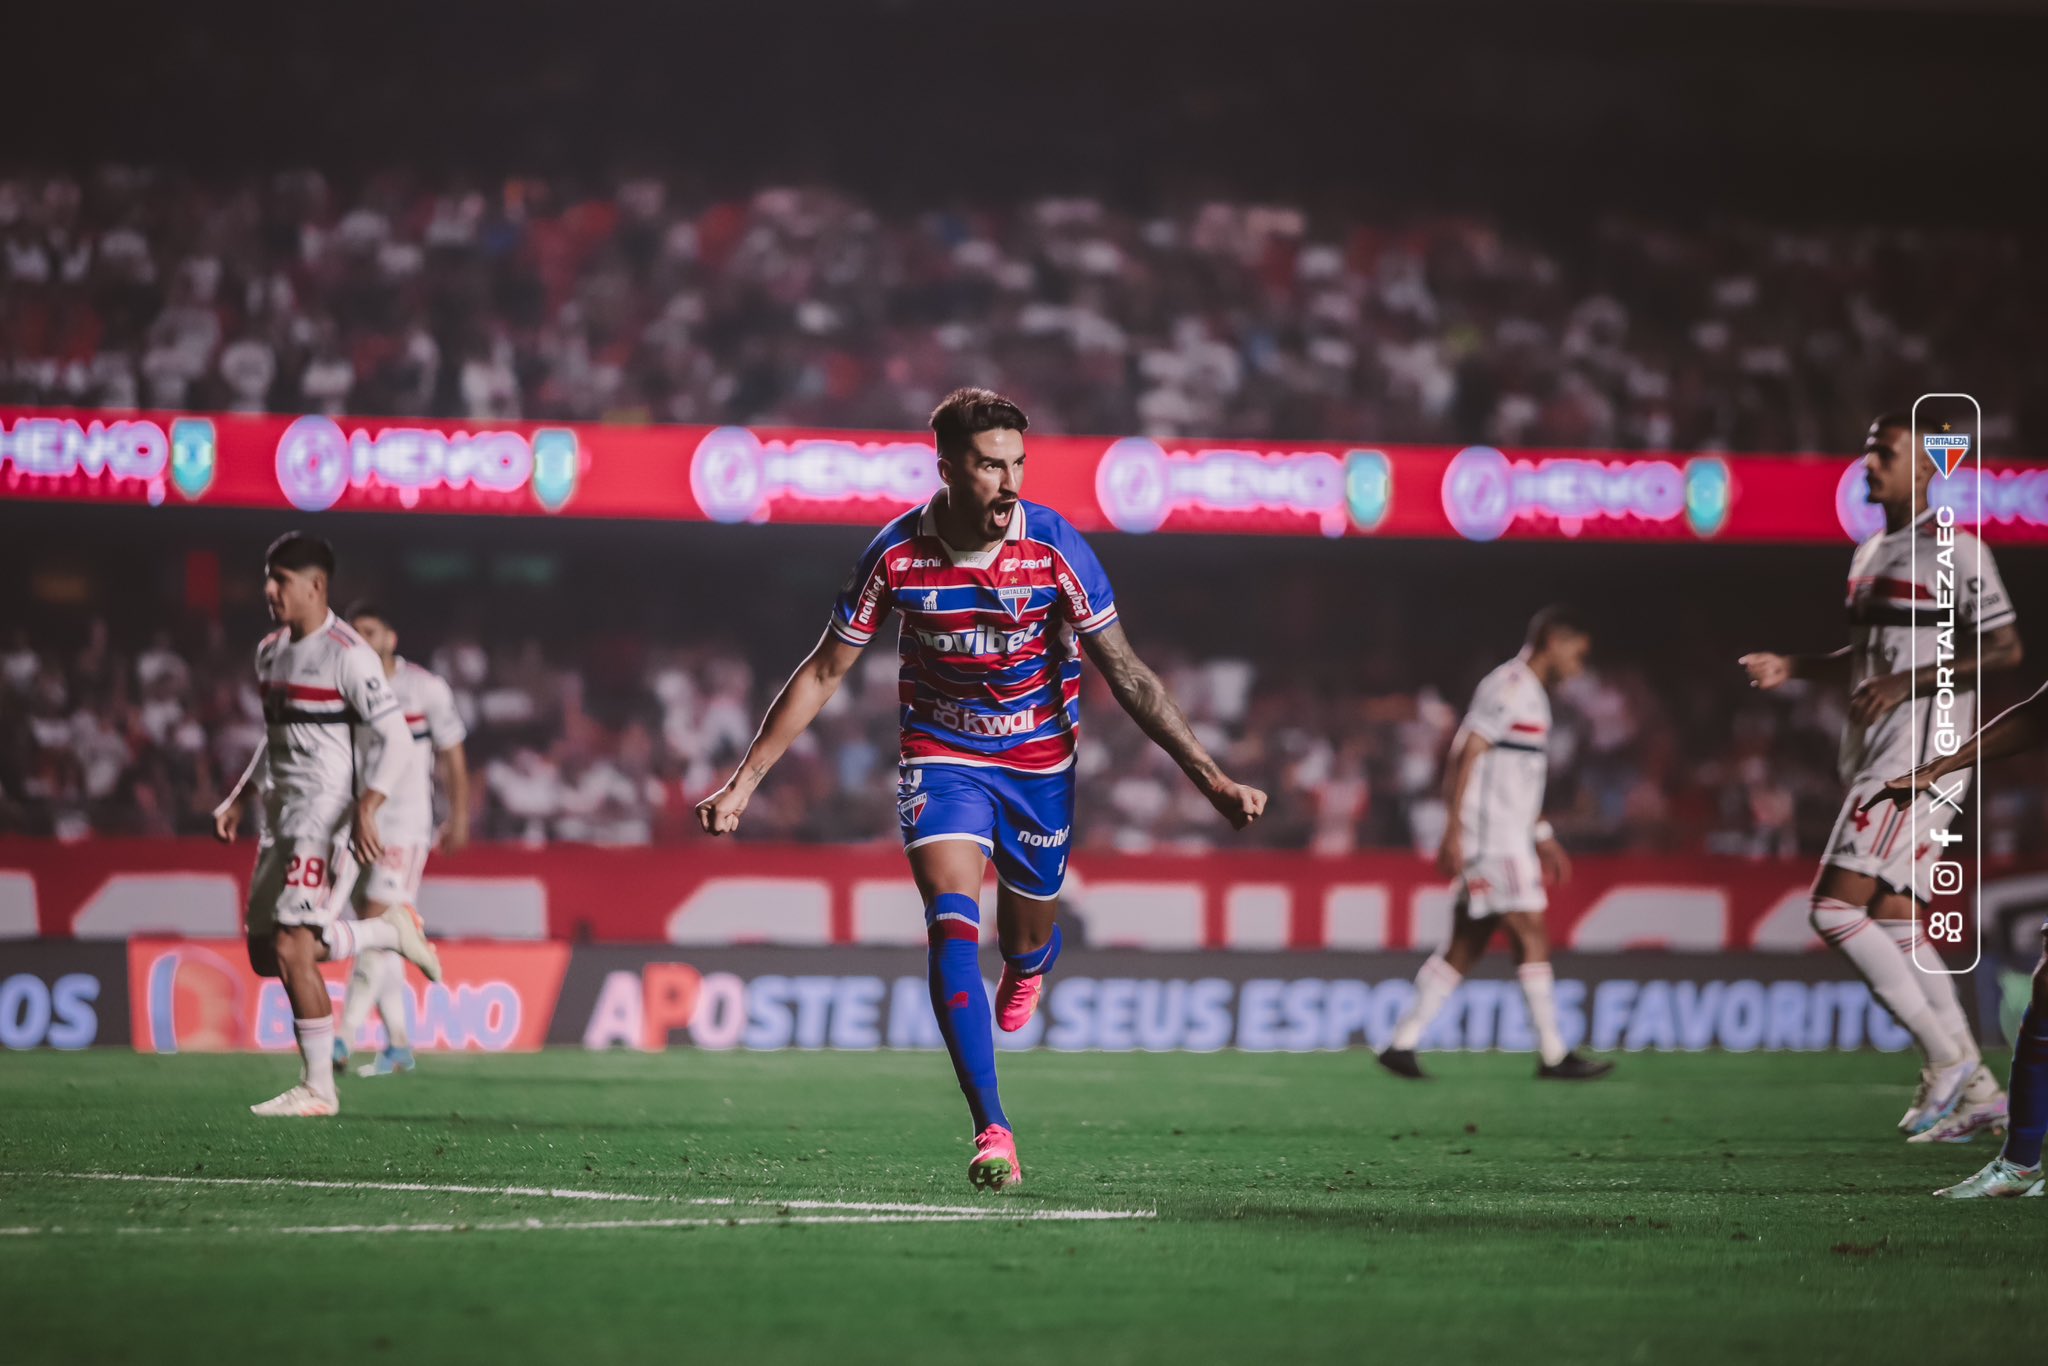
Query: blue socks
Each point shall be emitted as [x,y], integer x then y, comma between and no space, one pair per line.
[2028,1091]
[1039,960]
[953,924]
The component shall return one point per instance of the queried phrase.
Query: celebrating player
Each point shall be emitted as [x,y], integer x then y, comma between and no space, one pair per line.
[992,592]
[319,683]
[1871,871]
[1499,848]
[407,823]
[2017,1169]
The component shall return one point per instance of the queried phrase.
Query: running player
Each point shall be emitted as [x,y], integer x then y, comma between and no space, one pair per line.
[2017,1169]
[992,592]
[407,823]
[1500,850]
[1869,874]
[319,682]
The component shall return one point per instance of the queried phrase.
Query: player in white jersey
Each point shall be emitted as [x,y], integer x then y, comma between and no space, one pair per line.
[1500,850]
[1872,872]
[407,824]
[319,683]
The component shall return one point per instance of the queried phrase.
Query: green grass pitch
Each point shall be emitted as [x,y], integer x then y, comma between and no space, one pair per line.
[1304,1208]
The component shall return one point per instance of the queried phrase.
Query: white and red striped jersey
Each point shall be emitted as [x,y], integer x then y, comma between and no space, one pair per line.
[991,663]
[1903,587]
[1504,796]
[428,705]
[316,691]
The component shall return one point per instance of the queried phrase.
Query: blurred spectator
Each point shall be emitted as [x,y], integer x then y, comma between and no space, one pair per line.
[798,305]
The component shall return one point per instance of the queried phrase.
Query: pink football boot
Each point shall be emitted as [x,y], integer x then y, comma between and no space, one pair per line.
[995,1163]
[1016,1000]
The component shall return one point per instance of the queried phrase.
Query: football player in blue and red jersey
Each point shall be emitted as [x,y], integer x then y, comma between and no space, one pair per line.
[997,599]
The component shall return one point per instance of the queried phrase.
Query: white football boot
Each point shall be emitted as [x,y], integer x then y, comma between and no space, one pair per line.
[301,1102]
[2000,1180]
[1940,1090]
[412,941]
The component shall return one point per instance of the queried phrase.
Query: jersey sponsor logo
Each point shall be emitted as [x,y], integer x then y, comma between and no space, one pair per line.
[1038,841]
[931,602]
[978,640]
[1010,566]
[989,726]
[899,565]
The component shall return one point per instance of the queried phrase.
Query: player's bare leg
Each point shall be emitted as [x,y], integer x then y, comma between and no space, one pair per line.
[294,954]
[949,873]
[1027,929]
[1435,981]
[1531,944]
[378,983]
[1841,915]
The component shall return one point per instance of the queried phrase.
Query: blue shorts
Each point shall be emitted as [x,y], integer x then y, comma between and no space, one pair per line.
[1022,820]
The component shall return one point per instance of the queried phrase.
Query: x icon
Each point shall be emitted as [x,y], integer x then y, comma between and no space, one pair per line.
[1952,798]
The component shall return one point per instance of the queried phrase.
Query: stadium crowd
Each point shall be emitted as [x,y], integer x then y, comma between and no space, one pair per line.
[142,737]
[643,301]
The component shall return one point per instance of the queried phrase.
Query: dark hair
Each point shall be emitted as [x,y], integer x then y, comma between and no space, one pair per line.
[297,550]
[1555,618]
[364,607]
[1895,418]
[964,413]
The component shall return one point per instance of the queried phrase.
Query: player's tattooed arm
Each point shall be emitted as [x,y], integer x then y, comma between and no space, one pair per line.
[1877,695]
[2014,731]
[793,709]
[1139,692]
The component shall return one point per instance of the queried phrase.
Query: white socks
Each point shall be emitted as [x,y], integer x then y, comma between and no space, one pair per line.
[1938,987]
[1435,980]
[1537,980]
[316,1055]
[378,983]
[393,998]
[1892,979]
[348,938]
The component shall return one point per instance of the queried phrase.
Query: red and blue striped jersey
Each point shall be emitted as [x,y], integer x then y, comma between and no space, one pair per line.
[991,662]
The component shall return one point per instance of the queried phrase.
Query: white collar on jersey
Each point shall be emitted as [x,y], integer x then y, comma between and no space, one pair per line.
[928,525]
[322,629]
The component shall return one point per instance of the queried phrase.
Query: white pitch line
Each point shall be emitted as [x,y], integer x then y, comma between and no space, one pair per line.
[927,1213]
[992,1216]
[551,1193]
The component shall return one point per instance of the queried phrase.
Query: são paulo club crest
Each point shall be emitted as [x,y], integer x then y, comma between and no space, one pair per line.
[1946,449]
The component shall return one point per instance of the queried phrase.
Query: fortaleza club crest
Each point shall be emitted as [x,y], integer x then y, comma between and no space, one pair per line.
[1946,449]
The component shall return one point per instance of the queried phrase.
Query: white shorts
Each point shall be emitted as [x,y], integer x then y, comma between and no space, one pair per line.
[394,879]
[1494,884]
[1879,842]
[295,883]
